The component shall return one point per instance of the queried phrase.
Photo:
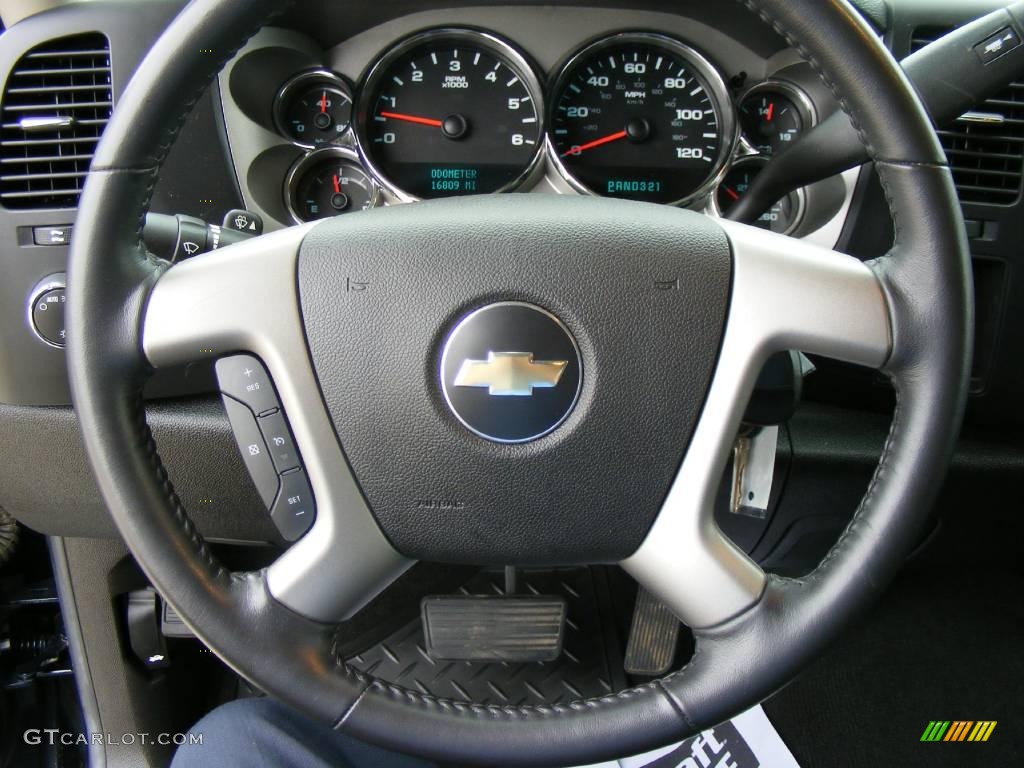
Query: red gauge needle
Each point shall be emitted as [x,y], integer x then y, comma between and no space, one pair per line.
[412,119]
[337,185]
[728,190]
[323,102]
[771,111]
[595,143]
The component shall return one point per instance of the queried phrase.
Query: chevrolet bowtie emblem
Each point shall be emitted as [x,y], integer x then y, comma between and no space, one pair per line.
[510,374]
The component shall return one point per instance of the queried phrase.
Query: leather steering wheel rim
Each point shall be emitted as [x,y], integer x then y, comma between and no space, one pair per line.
[738,662]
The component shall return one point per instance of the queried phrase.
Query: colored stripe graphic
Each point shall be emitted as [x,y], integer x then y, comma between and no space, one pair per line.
[935,730]
[982,730]
[958,730]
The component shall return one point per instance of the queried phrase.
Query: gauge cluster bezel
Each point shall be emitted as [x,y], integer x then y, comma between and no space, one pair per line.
[352,144]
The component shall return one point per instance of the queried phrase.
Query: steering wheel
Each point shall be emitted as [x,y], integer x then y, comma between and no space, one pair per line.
[671,315]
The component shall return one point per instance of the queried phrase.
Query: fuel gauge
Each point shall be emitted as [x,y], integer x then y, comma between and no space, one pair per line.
[313,109]
[773,115]
[329,182]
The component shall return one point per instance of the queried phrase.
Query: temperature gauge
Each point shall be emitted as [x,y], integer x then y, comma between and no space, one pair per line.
[773,115]
[783,217]
[314,109]
[329,182]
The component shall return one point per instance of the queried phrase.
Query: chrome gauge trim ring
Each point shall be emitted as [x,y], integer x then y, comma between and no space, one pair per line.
[713,209]
[796,94]
[294,85]
[717,88]
[314,158]
[489,41]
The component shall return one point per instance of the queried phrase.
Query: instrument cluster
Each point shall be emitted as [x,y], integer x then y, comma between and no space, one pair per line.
[458,111]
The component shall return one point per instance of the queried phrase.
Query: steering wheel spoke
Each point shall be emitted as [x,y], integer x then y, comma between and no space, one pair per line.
[786,294]
[244,298]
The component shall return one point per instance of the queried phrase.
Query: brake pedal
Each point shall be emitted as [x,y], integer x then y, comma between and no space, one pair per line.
[652,638]
[516,629]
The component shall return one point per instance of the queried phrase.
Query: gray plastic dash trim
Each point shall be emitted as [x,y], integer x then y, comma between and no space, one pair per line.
[787,294]
[76,646]
[245,298]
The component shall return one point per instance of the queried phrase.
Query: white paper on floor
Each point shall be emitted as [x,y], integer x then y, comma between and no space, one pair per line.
[747,741]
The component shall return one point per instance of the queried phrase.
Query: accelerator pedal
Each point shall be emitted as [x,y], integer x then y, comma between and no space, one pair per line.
[653,638]
[495,628]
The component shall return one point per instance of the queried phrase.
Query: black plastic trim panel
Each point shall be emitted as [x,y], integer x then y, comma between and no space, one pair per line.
[31,372]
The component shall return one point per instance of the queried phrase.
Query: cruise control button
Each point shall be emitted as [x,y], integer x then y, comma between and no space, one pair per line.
[279,441]
[294,511]
[253,449]
[245,379]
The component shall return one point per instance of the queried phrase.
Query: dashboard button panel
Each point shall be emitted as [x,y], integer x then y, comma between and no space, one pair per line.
[58,235]
[265,441]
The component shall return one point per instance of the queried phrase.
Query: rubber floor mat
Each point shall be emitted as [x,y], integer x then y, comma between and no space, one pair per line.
[590,663]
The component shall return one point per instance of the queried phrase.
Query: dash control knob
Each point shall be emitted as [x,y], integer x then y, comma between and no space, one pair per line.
[46,310]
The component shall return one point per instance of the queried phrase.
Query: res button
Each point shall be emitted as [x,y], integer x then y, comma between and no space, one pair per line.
[244,378]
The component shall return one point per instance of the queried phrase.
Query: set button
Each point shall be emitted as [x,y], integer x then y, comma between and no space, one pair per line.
[293,512]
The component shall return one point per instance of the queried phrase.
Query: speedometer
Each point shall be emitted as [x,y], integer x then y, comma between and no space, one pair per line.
[451,112]
[641,116]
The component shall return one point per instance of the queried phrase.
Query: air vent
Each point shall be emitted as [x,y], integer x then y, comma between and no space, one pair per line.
[985,147]
[57,102]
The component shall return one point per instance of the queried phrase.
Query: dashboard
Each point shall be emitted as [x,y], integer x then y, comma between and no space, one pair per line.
[641,105]
[307,120]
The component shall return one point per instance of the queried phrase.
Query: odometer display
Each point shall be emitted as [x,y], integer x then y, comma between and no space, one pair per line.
[451,112]
[642,117]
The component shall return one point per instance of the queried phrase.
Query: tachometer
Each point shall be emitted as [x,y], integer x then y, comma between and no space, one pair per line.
[451,112]
[641,116]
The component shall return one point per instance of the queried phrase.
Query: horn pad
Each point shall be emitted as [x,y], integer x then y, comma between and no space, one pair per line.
[514,379]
